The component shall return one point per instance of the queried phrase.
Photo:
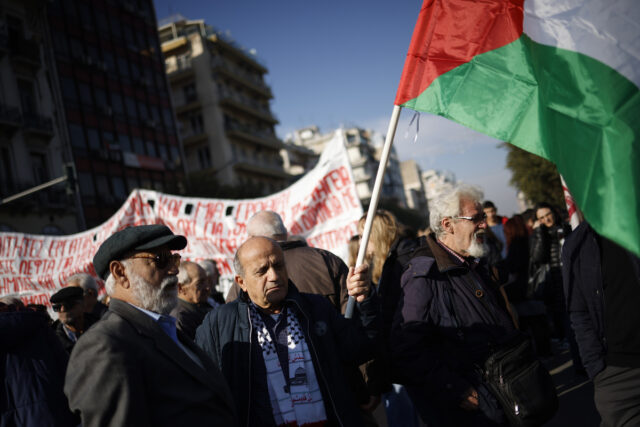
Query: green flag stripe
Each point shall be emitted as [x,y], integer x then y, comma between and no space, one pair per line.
[564,106]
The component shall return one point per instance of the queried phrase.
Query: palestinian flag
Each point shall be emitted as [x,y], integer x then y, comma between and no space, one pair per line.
[558,78]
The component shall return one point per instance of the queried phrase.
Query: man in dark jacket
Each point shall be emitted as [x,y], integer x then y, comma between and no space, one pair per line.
[193,292]
[133,368]
[450,316]
[602,286]
[282,351]
[313,270]
[72,320]
[33,365]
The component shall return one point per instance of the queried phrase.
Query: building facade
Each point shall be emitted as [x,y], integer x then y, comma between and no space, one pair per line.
[31,149]
[222,107]
[364,150]
[437,182]
[119,122]
[414,187]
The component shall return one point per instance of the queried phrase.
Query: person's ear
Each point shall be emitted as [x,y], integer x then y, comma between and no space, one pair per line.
[118,272]
[240,281]
[447,224]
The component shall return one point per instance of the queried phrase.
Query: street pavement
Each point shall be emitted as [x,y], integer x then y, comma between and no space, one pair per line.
[575,393]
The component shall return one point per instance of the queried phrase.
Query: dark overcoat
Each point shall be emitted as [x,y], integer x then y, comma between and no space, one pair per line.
[126,371]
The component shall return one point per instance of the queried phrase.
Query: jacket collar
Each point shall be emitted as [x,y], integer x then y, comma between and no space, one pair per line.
[146,326]
[444,260]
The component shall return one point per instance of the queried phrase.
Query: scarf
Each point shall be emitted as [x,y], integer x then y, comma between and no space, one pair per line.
[297,402]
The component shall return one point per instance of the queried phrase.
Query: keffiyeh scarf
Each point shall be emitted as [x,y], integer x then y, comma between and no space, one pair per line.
[298,403]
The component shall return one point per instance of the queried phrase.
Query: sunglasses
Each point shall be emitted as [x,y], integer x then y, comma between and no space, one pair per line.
[477,218]
[68,305]
[162,260]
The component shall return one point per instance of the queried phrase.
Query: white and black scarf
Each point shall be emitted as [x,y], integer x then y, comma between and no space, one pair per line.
[302,405]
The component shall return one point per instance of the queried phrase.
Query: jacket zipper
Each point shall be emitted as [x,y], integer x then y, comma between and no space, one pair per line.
[250,356]
[318,359]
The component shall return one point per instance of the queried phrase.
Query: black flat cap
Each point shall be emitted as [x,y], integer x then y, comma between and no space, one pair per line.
[137,238]
[66,294]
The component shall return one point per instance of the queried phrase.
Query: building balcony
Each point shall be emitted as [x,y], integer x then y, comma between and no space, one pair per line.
[38,125]
[25,52]
[247,106]
[10,118]
[233,48]
[242,77]
[191,106]
[179,70]
[194,138]
[249,134]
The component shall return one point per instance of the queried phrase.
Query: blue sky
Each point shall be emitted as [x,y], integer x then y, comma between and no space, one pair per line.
[334,63]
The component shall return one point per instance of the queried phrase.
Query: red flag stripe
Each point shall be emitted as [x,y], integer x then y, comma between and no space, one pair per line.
[450,33]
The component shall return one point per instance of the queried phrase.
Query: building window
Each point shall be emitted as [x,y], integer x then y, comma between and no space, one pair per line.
[204,157]
[77,136]
[69,90]
[85,94]
[93,138]
[197,125]
[162,149]
[6,171]
[138,146]
[131,107]
[52,230]
[87,191]
[151,149]
[125,142]
[27,96]
[39,167]
[116,103]
[189,92]
[118,188]
[123,67]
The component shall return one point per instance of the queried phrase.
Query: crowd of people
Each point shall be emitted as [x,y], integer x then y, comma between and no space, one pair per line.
[450,327]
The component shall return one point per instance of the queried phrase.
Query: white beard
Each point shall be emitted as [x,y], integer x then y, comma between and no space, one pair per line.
[476,249]
[159,300]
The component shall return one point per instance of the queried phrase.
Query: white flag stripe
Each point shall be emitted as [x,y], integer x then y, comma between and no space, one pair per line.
[607,30]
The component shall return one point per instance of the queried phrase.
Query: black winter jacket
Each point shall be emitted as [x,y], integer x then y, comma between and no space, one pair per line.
[225,335]
[32,369]
[582,278]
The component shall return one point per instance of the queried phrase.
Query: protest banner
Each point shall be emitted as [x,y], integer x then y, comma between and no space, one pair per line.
[322,207]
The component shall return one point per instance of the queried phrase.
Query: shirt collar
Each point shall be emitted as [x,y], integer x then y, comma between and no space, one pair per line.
[468,261]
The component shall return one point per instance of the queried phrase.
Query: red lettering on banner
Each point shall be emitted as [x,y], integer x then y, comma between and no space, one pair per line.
[213,228]
[212,210]
[36,267]
[349,197]
[56,248]
[42,299]
[168,206]
[6,267]
[187,227]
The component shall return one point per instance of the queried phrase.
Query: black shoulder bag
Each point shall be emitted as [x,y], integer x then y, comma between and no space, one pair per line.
[515,376]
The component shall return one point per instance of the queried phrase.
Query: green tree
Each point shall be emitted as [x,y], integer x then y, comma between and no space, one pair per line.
[536,177]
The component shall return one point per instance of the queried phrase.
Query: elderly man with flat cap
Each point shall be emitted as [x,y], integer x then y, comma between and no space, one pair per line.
[72,320]
[133,368]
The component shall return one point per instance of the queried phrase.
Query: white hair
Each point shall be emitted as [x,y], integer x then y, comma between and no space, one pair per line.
[183,274]
[267,224]
[448,204]
[208,266]
[110,281]
[84,280]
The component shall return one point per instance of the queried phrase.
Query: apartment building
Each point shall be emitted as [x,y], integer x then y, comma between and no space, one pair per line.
[364,149]
[222,107]
[413,186]
[31,150]
[119,121]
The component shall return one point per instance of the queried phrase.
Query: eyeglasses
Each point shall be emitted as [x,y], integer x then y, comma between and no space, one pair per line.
[68,305]
[162,260]
[476,219]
